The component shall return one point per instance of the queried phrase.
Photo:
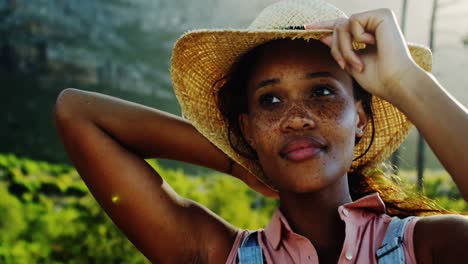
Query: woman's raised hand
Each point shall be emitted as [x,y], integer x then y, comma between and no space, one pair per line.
[385,68]
[380,66]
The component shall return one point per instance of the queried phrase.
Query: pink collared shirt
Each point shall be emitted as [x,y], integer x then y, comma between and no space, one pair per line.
[366,224]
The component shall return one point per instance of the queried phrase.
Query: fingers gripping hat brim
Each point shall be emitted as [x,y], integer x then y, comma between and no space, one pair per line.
[201,58]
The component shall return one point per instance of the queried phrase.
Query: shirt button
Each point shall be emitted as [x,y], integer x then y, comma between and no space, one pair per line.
[345,212]
[349,255]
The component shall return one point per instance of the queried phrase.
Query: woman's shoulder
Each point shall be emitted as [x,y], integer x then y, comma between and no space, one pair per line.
[441,237]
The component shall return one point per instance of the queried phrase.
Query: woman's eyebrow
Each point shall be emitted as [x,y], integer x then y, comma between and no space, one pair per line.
[267,82]
[312,75]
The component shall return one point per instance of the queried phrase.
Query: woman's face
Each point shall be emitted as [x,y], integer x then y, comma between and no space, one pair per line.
[303,118]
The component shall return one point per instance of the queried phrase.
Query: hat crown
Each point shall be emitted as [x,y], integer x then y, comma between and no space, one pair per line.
[288,13]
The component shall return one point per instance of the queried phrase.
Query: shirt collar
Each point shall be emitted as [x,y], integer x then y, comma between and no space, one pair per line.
[372,202]
[357,211]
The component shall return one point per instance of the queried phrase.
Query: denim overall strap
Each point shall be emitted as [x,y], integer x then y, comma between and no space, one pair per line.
[250,251]
[391,251]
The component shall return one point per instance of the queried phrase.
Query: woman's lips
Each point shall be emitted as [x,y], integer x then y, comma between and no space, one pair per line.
[300,149]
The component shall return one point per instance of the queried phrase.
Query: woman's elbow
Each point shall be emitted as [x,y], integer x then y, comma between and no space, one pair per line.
[62,107]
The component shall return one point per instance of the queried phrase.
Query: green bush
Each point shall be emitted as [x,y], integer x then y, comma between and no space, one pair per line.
[49,216]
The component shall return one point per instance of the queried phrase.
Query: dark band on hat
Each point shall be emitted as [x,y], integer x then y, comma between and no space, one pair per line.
[295,27]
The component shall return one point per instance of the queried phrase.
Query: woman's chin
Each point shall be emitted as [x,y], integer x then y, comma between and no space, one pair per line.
[306,179]
[311,183]
[311,175]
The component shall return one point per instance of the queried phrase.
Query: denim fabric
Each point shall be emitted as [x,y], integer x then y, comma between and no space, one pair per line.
[391,251]
[250,251]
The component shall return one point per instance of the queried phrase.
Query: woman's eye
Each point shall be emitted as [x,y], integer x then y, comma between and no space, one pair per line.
[269,99]
[322,91]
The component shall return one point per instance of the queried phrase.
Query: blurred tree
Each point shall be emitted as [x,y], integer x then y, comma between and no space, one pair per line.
[115,47]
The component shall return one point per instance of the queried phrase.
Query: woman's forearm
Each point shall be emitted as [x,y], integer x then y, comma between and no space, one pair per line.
[440,118]
[145,131]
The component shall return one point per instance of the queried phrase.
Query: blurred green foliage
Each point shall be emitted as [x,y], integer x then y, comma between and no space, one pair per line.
[49,216]
[438,185]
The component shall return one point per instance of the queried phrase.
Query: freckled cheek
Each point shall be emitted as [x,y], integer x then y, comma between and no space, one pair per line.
[337,124]
[339,111]
[266,128]
[326,110]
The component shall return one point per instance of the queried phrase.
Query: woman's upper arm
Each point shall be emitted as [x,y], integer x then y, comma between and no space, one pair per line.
[441,239]
[162,225]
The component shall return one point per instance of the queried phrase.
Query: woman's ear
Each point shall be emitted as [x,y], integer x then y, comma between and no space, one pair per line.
[361,119]
[245,128]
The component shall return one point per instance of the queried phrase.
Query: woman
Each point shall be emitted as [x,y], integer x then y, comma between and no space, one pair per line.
[295,121]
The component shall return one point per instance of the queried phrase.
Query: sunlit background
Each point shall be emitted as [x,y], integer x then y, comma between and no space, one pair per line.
[123,48]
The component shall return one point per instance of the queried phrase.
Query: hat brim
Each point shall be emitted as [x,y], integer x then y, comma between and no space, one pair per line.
[202,57]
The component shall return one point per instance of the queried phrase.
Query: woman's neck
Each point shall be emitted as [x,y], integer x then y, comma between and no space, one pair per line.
[315,216]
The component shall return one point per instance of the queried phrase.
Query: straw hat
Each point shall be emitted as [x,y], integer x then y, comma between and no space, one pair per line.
[201,57]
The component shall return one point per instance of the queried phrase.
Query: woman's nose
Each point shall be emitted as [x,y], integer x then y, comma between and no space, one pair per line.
[298,118]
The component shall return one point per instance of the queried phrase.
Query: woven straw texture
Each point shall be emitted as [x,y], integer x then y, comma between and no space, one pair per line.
[202,57]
